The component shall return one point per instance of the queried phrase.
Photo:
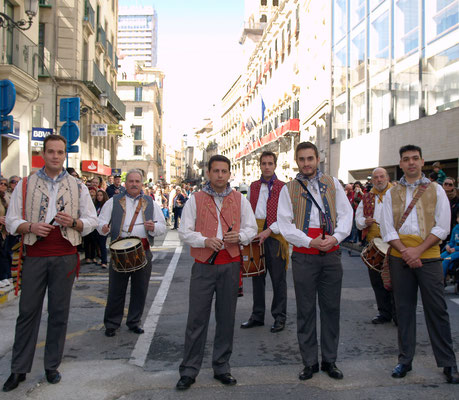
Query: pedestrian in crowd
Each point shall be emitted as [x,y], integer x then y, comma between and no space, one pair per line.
[110,180]
[215,221]
[12,182]
[315,216]
[263,196]
[134,209]
[368,218]
[116,188]
[101,240]
[441,176]
[172,194]
[451,252]
[453,197]
[415,218]
[73,172]
[179,203]
[5,265]
[96,182]
[51,261]
[90,240]
[433,176]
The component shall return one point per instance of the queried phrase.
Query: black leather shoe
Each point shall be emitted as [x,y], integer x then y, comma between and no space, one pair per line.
[400,370]
[226,379]
[379,319]
[184,383]
[308,371]
[137,329]
[452,376]
[110,332]
[251,323]
[53,376]
[332,370]
[277,326]
[13,381]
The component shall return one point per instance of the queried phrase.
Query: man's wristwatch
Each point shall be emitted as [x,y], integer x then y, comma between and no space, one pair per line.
[74,223]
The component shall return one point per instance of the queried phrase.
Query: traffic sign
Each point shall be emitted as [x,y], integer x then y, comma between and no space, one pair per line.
[69,109]
[6,124]
[7,96]
[71,132]
[116,171]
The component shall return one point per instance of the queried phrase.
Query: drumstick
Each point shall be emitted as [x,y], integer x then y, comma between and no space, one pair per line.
[62,208]
[214,255]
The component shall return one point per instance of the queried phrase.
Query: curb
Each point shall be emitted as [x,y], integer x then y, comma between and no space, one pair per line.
[7,295]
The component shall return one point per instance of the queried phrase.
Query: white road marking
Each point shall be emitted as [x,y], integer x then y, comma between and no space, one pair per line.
[139,354]
[455,301]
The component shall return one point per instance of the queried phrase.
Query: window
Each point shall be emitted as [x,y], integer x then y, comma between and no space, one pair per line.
[379,39]
[263,18]
[138,111]
[441,16]
[358,58]
[37,111]
[138,93]
[137,150]
[357,11]
[264,2]
[138,132]
[406,26]
[275,3]
[406,86]
[339,20]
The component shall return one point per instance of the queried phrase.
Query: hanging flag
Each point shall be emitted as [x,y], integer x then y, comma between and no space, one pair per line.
[263,108]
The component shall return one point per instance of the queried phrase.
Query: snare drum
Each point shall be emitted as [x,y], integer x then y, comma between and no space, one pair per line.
[127,254]
[374,253]
[253,259]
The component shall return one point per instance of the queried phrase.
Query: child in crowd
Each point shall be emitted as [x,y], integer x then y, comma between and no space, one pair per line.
[451,253]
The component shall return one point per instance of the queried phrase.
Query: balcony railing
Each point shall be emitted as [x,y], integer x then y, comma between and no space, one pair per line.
[97,83]
[89,14]
[21,52]
[101,37]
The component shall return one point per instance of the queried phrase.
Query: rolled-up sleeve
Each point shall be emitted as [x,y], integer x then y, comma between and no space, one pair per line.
[187,226]
[359,218]
[442,215]
[88,214]
[160,224]
[344,214]
[248,228]
[105,216]
[386,225]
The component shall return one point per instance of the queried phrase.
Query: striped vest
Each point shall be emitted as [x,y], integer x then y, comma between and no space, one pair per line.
[273,201]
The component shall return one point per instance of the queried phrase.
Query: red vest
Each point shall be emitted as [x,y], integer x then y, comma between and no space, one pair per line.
[273,201]
[207,221]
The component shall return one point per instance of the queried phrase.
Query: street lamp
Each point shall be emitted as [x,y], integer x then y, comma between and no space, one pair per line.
[132,129]
[31,8]
[103,99]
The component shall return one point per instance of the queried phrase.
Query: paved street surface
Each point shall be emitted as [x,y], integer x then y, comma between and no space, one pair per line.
[266,365]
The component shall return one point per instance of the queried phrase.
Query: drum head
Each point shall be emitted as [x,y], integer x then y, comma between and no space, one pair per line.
[380,245]
[125,243]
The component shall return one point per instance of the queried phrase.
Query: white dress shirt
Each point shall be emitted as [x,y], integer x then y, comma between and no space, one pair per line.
[377,215]
[411,226]
[297,237]
[139,228]
[262,203]
[88,215]
[248,228]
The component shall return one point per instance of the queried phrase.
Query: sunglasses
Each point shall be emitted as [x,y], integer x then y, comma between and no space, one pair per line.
[3,183]
[14,181]
[447,184]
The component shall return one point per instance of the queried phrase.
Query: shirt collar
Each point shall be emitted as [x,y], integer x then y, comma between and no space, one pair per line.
[421,181]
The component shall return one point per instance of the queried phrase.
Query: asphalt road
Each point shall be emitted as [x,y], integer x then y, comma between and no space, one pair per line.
[130,366]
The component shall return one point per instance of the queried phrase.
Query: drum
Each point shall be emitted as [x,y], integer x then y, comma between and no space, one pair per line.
[127,254]
[253,259]
[374,253]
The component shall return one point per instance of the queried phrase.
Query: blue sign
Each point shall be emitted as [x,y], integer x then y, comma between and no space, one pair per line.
[39,134]
[116,171]
[71,132]
[6,124]
[69,109]
[7,96]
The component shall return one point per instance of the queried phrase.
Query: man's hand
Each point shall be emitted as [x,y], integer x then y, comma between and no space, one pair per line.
[328,243]
[369,221]
[262,236]
[2,220]
[63,219]
[214,243]
[448,248]
[149,225]
[411,255]
[41,229]
[105,228]
[316,243]
[231,237]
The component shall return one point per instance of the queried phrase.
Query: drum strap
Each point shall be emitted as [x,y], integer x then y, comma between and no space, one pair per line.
[385,273]
[134,217]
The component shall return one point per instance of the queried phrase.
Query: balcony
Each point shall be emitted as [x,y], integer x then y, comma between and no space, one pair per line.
[89,18]
[96,82]
[45,3]
[19,62]
[101,42]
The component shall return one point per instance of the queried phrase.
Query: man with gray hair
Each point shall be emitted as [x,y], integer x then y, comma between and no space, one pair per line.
[367,219]
[130,213]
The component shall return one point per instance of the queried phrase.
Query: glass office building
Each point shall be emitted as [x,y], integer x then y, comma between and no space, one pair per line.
[394,61]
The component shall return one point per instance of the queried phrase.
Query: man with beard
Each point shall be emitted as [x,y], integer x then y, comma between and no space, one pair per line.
[367,219]
[314,215]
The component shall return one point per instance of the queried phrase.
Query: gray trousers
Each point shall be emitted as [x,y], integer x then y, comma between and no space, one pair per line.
[316,276]
[223,280]
[38,273]
[117,286]
[405,284]
[384,298]
[275,265]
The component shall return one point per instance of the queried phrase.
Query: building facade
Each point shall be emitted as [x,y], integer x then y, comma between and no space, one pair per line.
[141,143]
[138,34]
[396,68]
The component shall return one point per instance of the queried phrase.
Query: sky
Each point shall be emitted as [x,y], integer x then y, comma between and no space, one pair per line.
[199,52]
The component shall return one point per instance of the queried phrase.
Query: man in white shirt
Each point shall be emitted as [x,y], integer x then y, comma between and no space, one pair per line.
[116,216]
[58,212]
[264,198]
[314,215]
[415,262]
[215,221]
[368,219]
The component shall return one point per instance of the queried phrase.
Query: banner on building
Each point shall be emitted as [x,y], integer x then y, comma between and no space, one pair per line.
[99,130]
[115,129]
